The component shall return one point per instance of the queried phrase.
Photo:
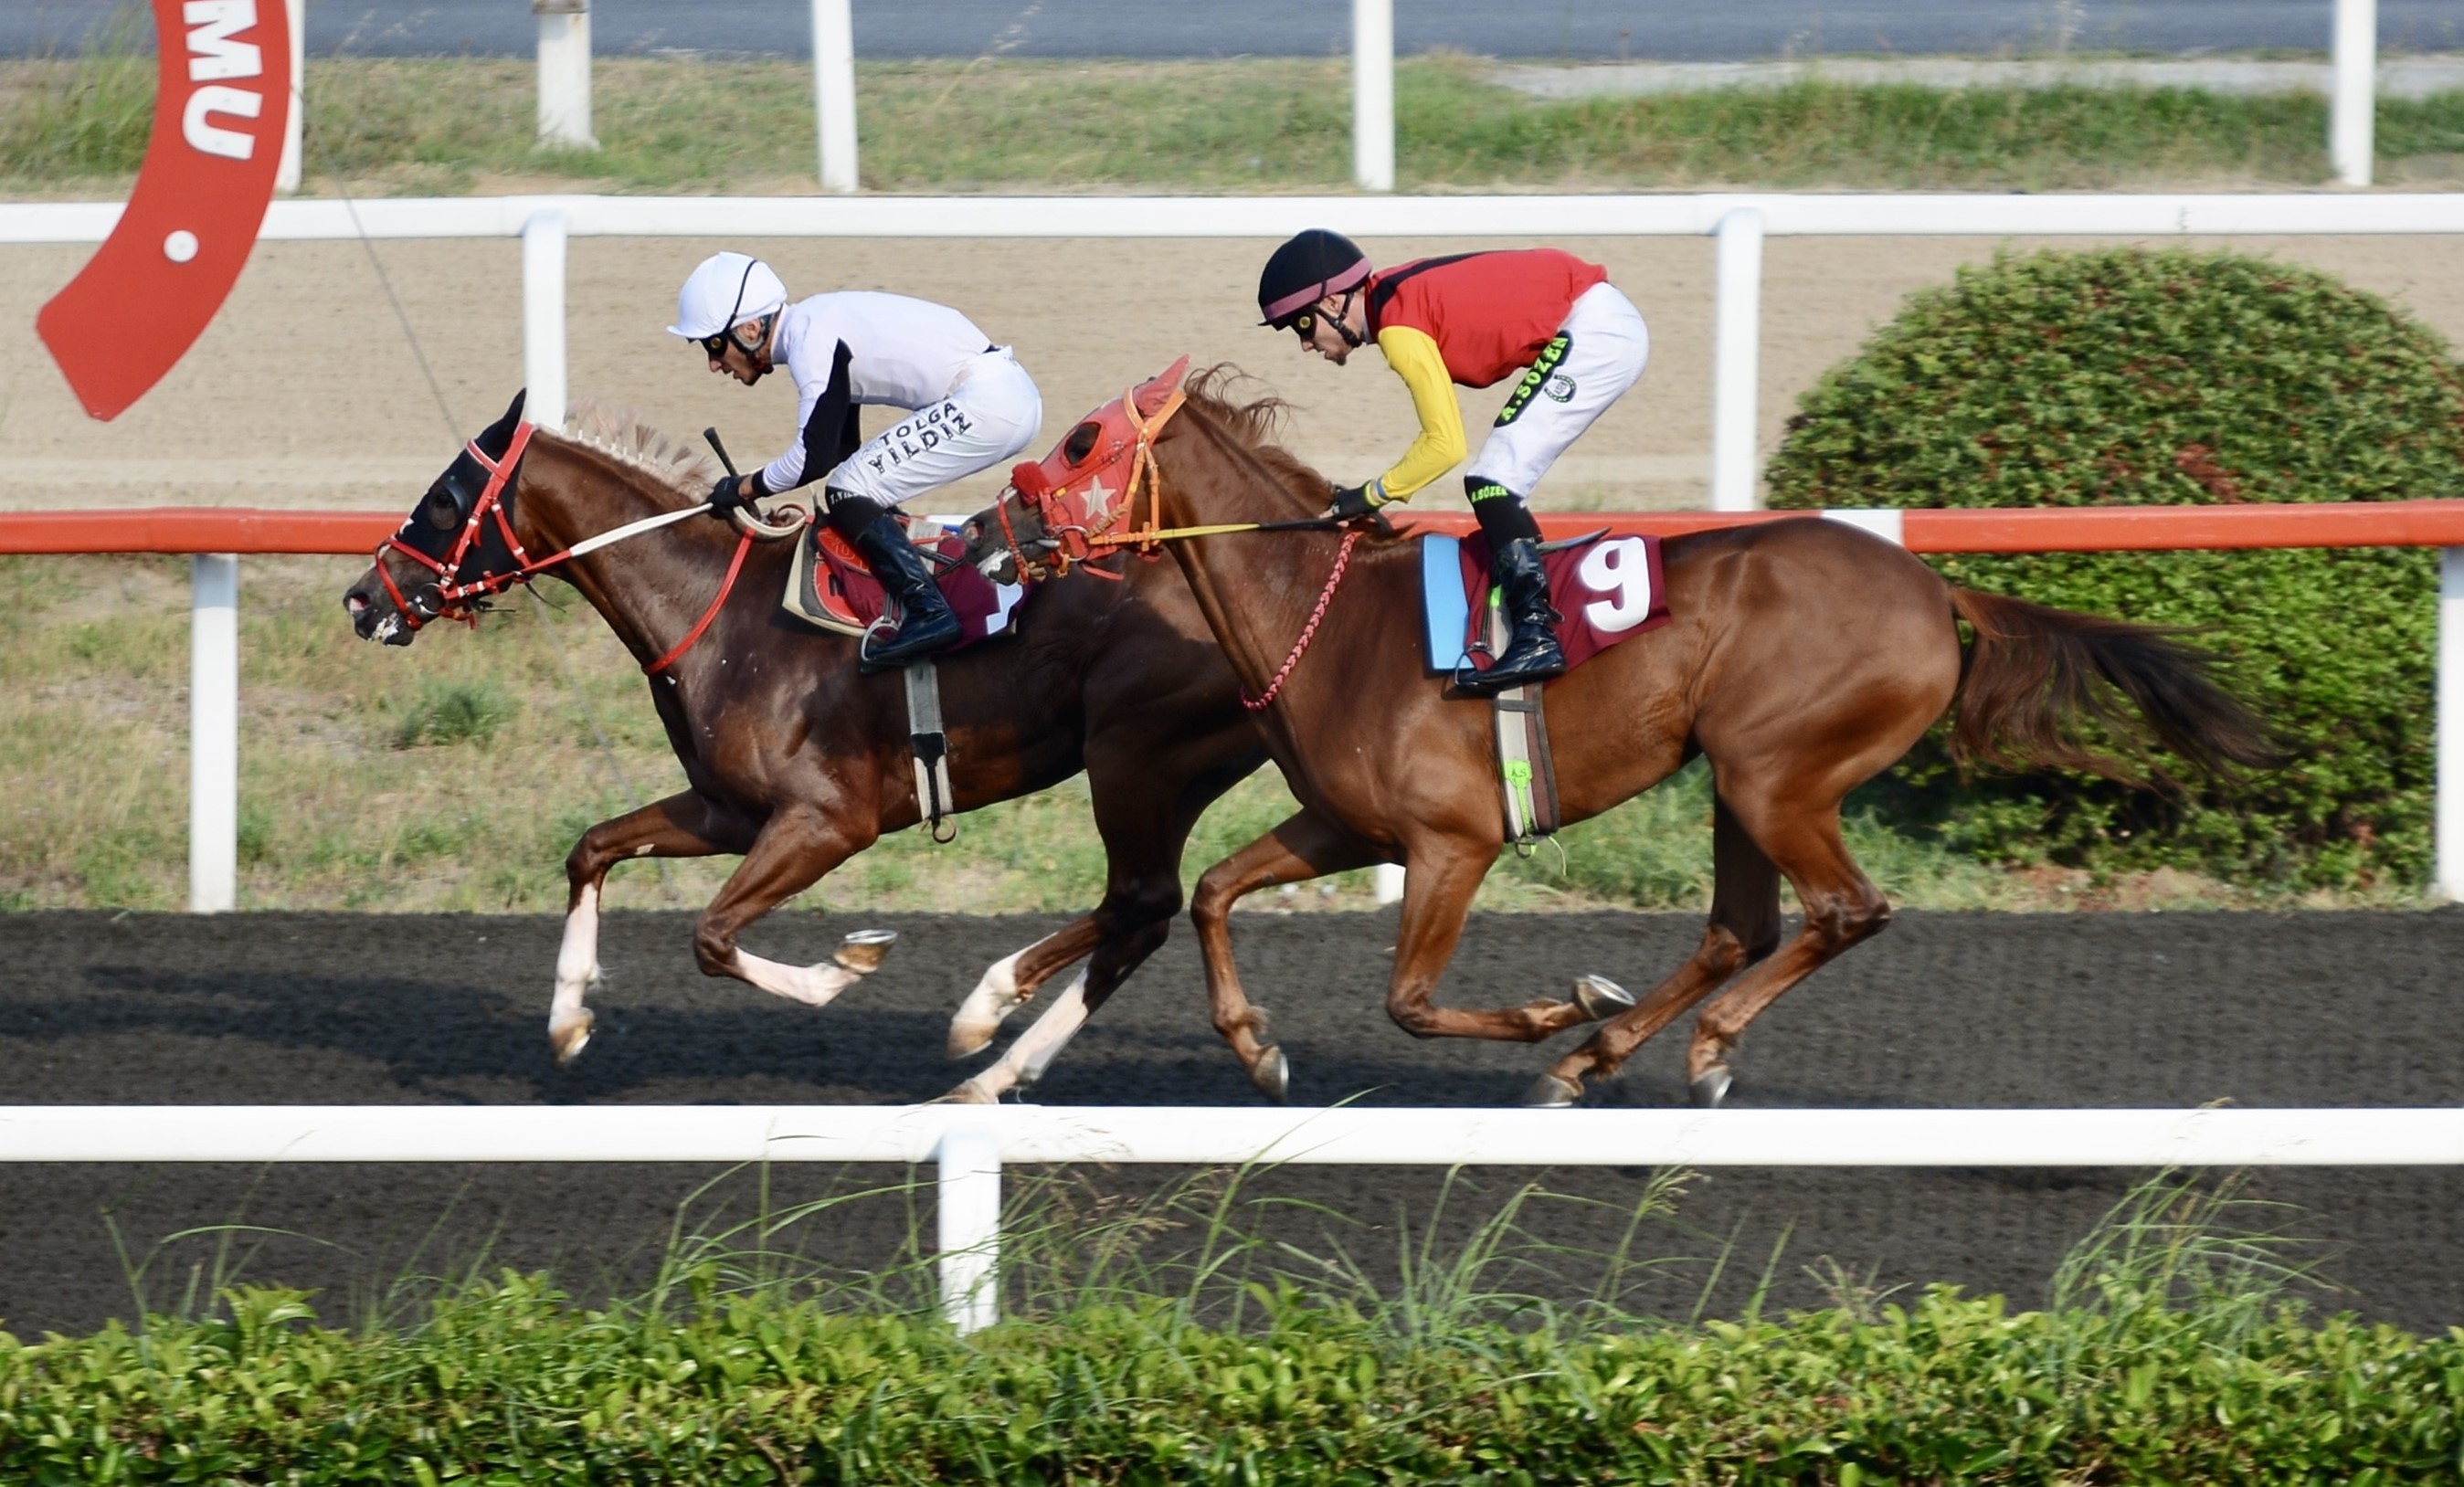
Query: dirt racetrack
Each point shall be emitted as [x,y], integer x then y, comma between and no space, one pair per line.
[1945,1009]
[307,390]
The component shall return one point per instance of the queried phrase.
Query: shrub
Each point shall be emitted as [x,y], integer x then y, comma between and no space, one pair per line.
[2124,377]
[443,712]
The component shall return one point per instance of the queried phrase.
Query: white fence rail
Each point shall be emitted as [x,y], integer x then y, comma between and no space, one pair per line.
[564,86]
[968,1145]
[1739,223]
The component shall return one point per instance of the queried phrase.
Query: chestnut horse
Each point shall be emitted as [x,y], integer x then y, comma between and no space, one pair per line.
[1804,658]
[797,763]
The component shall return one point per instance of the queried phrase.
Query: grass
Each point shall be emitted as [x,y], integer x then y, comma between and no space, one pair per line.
[1174,1340]
[456,127]
[457,775]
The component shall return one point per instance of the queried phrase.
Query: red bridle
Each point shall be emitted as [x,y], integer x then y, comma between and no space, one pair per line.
[457,599]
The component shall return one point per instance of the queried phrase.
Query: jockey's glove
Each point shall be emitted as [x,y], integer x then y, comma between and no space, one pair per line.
[736,493]
[1354,502]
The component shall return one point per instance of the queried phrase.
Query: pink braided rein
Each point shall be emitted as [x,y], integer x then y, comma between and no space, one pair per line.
[1342,560]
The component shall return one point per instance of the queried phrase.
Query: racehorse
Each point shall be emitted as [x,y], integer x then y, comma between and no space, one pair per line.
[1804,657]
[795,760]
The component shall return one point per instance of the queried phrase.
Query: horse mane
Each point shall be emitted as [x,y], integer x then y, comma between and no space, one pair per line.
[625,437]
[1254,425]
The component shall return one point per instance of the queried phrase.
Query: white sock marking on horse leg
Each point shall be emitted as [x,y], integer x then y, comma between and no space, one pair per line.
[995,998]
[1026,1060]
[577,972]
[815,986]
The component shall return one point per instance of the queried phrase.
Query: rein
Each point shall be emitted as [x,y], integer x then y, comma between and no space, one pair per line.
[1309,631]
[456,600]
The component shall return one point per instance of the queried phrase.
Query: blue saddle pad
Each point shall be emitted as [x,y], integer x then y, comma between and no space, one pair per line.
[1442,602]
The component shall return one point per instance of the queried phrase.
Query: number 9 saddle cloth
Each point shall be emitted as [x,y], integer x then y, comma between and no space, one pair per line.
[1607,587]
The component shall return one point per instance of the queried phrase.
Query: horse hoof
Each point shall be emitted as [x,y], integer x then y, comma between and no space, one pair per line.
[862,949]
[1601,997]
[1710,1087]
[569,1038]
[1272,1074]
[970,1039]
[1549,1092]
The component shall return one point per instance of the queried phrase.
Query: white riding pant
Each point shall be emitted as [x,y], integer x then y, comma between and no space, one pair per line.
[992,413]
[1606,347]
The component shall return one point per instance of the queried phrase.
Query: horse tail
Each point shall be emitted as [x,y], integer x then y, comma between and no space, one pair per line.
[2035,674]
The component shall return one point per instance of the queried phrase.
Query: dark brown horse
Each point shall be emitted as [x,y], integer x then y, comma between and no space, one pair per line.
[1804,658]
[796,762]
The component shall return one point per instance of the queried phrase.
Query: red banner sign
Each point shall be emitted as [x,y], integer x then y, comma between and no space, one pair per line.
[220,115]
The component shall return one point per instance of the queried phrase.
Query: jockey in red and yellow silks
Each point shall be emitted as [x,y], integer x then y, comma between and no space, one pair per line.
[1473,319]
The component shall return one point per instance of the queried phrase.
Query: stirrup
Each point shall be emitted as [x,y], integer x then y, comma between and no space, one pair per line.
[892,658]
[1501,677]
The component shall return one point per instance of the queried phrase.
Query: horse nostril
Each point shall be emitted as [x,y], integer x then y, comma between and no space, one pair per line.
[355,603]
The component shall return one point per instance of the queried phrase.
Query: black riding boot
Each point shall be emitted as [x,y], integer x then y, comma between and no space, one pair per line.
[928,625]
[1531,651]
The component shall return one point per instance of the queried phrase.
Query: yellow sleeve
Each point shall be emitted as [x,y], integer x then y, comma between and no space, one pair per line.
[1441,447]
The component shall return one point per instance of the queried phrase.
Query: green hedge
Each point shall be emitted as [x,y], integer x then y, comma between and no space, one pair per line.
[2119,376]
[510,1385]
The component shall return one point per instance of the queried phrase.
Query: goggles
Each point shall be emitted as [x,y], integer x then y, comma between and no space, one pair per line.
[1303,324]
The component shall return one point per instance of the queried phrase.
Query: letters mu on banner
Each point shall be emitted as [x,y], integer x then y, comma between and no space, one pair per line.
[220,114]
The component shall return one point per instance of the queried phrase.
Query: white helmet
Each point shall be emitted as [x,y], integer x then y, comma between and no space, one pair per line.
[726,290]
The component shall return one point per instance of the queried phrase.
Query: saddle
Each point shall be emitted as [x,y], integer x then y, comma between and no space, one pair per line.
[828,584]
[1606,588]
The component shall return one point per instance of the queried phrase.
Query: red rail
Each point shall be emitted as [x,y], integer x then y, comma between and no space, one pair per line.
[183,529]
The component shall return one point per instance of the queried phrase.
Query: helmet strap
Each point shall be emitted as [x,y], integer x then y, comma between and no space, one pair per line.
[753,351]
[1342,320]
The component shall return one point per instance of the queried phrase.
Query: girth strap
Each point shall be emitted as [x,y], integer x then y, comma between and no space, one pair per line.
[1525,767]
[931,748]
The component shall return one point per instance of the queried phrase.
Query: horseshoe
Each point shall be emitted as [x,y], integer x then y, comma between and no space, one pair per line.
[221,109]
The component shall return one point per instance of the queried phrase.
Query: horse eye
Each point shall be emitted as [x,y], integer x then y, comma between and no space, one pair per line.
[439,510]
[1081,442]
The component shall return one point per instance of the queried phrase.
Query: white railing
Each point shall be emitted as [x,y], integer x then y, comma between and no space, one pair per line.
[1738,221]
[564,86]
[969,1145]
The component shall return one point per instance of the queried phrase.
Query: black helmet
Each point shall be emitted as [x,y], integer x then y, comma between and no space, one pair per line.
[1304,271]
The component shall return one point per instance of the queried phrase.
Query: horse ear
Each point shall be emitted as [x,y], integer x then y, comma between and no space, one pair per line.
[514,409]
[1153,395]
[1027,478]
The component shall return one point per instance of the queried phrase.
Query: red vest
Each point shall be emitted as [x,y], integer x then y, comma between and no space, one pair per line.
[1489,313]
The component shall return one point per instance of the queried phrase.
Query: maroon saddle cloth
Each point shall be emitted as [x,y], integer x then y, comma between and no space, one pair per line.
[1609,588]
[831,586]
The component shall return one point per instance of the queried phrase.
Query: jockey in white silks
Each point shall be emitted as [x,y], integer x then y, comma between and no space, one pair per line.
[971,408]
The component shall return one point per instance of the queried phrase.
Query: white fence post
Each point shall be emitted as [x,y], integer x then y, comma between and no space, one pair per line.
[968,1227]
[1372,94]
[214,733]
[1388,879]
[294,129]
[834,93]
[2352,115]
[1736,358]
[564,73]
[543,317]
[2447,837]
